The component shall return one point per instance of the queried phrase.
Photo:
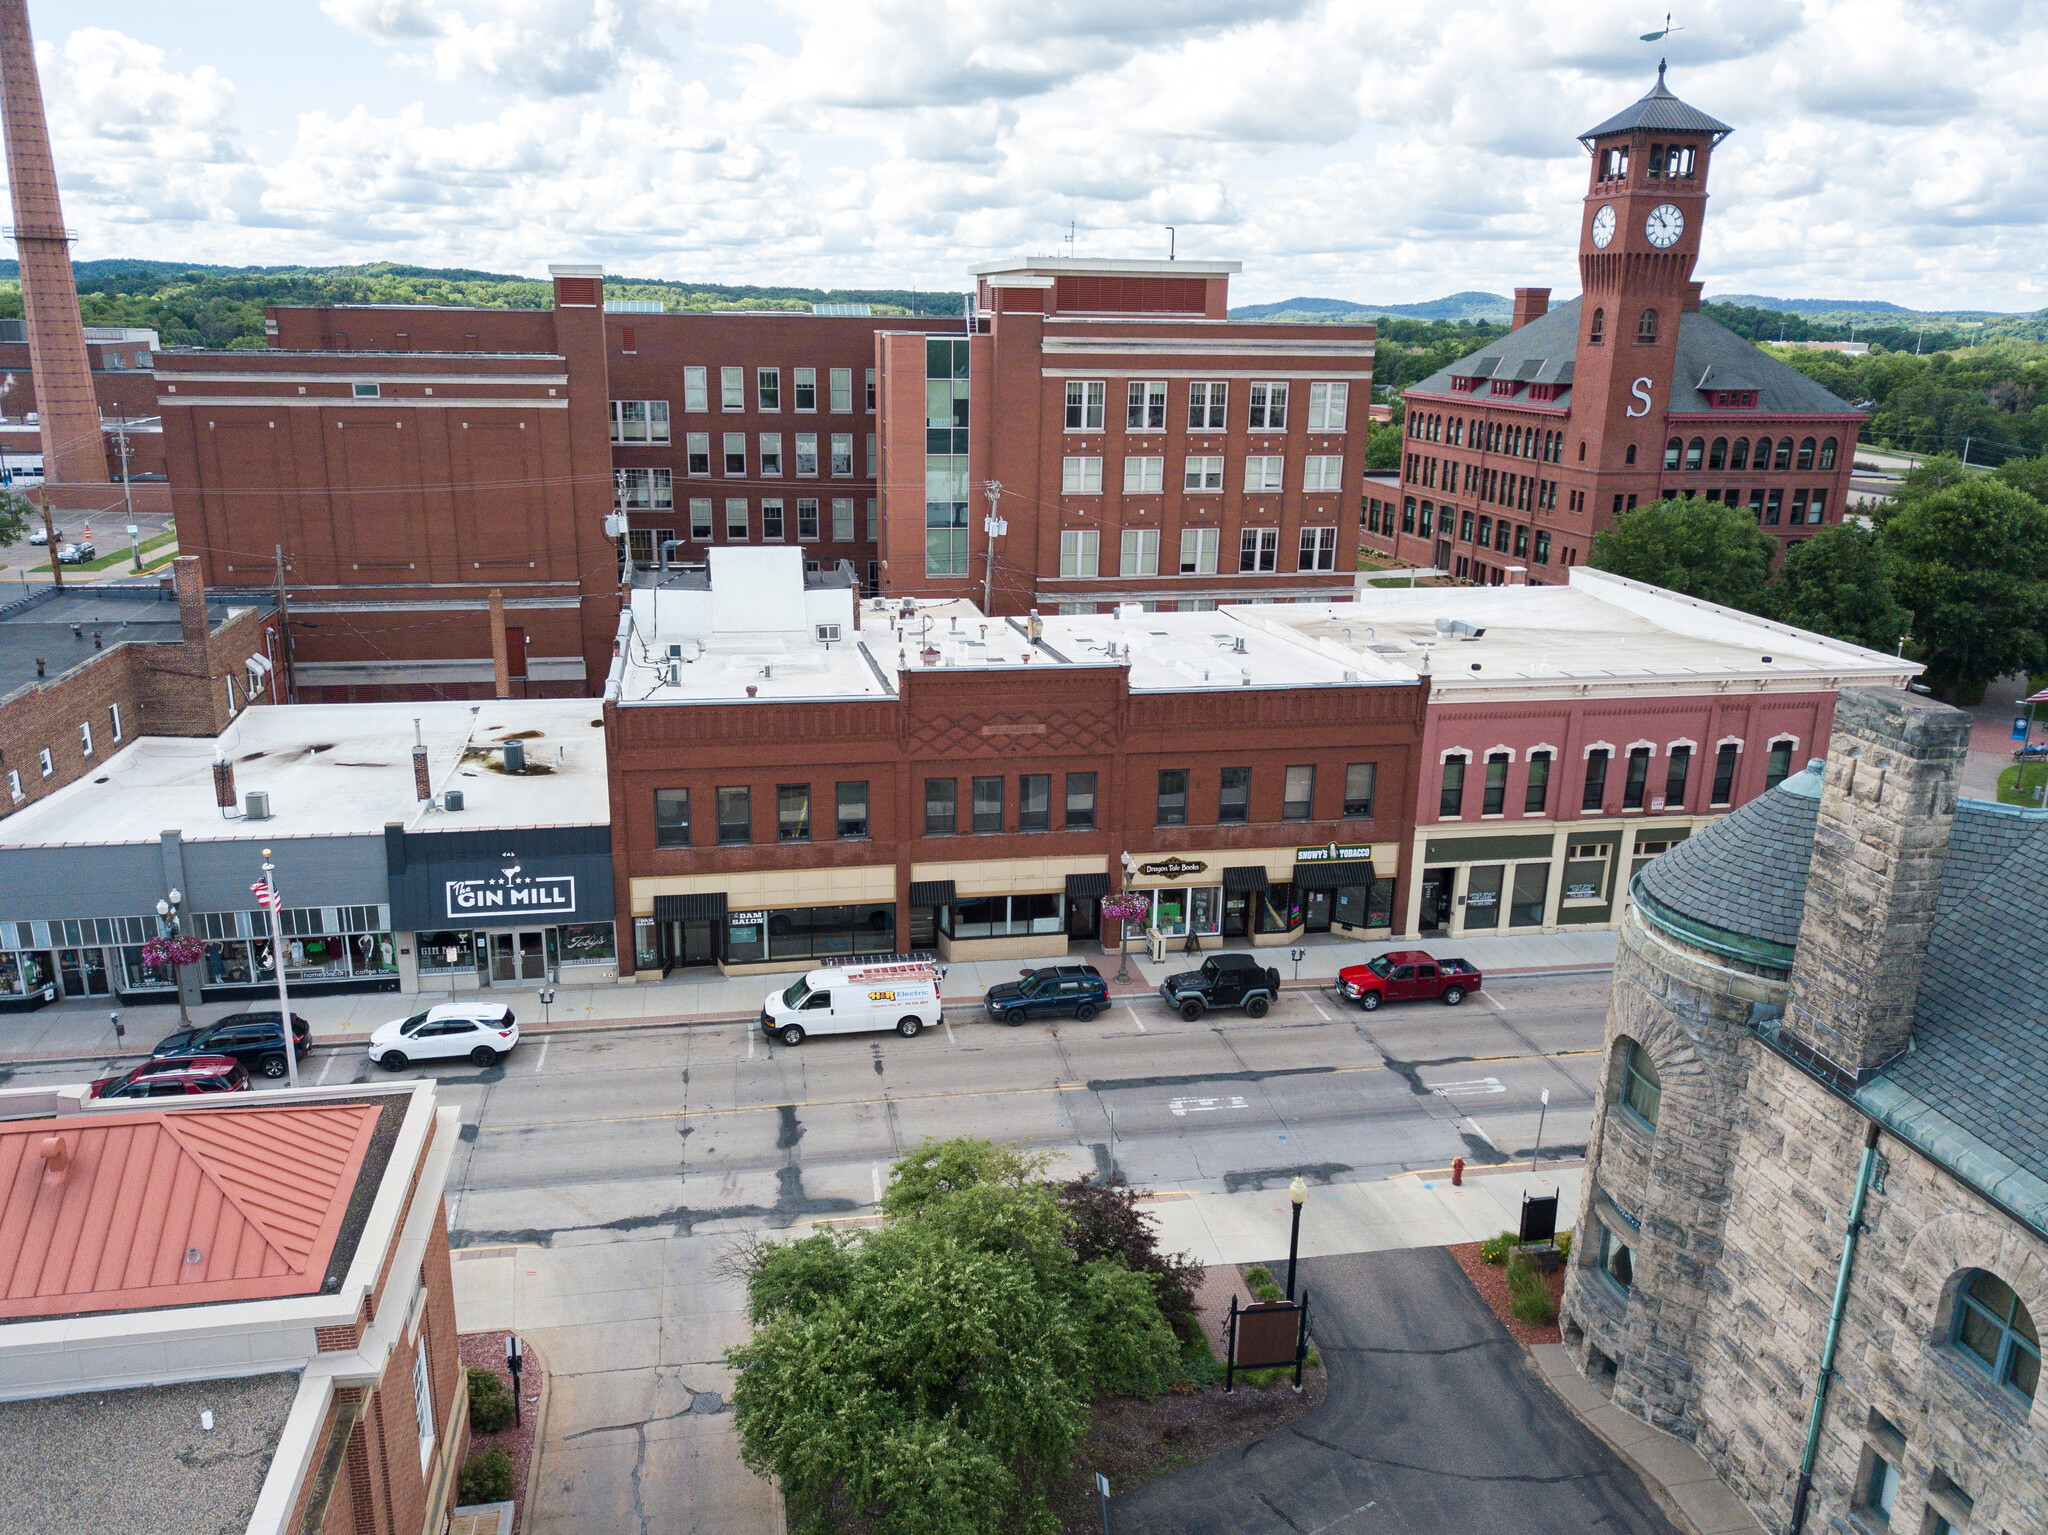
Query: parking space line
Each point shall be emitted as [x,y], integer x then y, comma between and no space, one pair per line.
[541,1064]
[750,1044]
[1135,1018]
[1493,1001]
[947,1024]
[1319,1011]
[322,1080]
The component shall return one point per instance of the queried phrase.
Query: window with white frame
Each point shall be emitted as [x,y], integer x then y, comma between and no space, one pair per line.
[1146,410]
[697,453]
[1081,476]
[806,388]
[643,489]
[842,519]
[114,713]
[842,455]
[807,519]
[735,453]
[771,453]
[870,460]
[696,390]
[807,454]
[226,682]
[1144,476]
[1084,404]
[1328,406]
[1263,471]
[14,790]
[1268,407]
[637,421]
[736,519]
[1198,551]
[1207,402]
[874,521]
[771,521]
[700,519]
[732,388]
[85,737]
[423,1399]
[1258,549]
[1322,471]
[1080,551]
[768,388]
[842,391]
[1318,549]
[1203,473]
[871,391]
[1140,552]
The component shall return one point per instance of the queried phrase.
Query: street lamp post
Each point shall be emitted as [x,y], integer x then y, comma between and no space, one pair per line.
[266,892]
[1298,1192]
[167,914]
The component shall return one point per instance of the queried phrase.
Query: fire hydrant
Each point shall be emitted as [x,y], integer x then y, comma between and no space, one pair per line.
[1457,1172]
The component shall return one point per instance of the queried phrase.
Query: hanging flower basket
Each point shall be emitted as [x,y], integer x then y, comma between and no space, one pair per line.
[169,953]
[1127,906]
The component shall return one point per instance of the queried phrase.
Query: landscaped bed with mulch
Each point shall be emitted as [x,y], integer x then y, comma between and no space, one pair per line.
[486,1351]
[1491,1281]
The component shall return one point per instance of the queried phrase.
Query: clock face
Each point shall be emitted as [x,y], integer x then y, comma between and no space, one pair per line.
[1664,225]
[1603,226]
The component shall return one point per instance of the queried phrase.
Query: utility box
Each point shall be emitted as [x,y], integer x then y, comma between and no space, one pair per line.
[452,801]
[515,756]
[256,805]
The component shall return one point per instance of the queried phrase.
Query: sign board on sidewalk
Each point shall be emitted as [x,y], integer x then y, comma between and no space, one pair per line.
[1266,1334]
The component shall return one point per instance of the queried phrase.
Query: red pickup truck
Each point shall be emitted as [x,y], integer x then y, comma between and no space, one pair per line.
[1406,974]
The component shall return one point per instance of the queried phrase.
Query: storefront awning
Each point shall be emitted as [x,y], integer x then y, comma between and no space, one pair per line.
[1245,878]
[1087,887]
[931,892]
[704,906]
[1329,876]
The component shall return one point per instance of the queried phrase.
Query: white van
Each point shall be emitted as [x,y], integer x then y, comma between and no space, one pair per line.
[902,995]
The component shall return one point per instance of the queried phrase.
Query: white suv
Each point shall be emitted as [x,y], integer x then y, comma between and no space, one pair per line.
[484,1032]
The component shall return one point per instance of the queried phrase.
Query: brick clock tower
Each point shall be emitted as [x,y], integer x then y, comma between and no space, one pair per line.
[1639,237]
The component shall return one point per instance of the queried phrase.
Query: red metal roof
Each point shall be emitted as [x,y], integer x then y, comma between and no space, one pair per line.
[174,1208]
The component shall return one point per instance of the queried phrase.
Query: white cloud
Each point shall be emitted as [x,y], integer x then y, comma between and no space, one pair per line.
[1884,148]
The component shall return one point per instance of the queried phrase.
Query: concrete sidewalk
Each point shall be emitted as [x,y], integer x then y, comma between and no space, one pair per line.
[80,1029]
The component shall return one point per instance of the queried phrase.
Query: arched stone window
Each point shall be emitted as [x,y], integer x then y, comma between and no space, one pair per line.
[1694,452]
[1646,328]
[1672,450]
[1717,457]
[1806,454]
[1599,327]
[1827,454]
[1784,459]
[1994,1331]
[1740,458]
[1638,1088]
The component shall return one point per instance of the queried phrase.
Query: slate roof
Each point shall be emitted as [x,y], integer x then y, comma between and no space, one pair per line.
[1659,112]
[1745,876]
[1710,356]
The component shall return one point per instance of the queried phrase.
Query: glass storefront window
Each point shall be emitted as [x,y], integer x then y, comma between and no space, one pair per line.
[21,974]
[1280,912]
[588,943]
[1482,896]
[646,944]
[228,963]
[1003,916]
[1379,911]
[1532,885]
[445,952]
[135,976]
[824,933]
[1585,871]
[1205,909]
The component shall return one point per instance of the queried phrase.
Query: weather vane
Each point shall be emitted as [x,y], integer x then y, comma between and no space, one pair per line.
[1651,37]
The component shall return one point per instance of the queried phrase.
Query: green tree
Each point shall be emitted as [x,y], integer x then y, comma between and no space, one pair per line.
[1700,548]
[16,516]
[1383,446]
[934,1374]
[1837,583]
[2027,474]
[1970,560]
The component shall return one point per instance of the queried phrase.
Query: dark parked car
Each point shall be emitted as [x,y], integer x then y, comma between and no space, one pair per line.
[76,554]
[176,1078]
[1225,980]
[1076,989]
[254,1039]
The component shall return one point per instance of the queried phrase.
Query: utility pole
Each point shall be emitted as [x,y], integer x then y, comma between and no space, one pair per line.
[995,527]
[284,631]
[50,532]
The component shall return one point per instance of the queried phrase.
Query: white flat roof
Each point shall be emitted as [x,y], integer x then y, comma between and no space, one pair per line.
[339,770]
[1602,632]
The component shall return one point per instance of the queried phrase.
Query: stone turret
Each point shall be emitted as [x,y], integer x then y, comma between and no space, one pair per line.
[1887,802]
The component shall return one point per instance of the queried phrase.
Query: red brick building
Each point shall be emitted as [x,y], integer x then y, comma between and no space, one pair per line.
[1518,454]
[1133,443]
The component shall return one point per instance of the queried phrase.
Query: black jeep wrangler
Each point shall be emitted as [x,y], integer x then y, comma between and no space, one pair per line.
[1225,980]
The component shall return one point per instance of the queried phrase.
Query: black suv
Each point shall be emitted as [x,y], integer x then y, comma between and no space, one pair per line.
[1225,980]
[254,1039]
[1076,989]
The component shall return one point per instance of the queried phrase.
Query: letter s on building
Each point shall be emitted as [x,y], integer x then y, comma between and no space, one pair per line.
[1641,390]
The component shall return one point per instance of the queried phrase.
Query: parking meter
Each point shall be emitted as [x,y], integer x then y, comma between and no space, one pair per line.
[1297,955]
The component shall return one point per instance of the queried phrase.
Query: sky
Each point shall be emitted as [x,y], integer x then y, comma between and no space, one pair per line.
[1884,149]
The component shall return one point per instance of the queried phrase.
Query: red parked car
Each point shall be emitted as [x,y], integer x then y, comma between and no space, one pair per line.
[1403,975]
[178,1077]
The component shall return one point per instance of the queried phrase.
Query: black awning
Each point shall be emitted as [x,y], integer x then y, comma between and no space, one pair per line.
[706,905]
[1329,876]
[931,892]
[1245,877]
[1086,887]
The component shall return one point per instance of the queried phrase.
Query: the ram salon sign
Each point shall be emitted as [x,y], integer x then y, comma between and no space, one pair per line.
[513,892]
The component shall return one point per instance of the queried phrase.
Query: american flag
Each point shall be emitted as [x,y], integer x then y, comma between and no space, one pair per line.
[266,897]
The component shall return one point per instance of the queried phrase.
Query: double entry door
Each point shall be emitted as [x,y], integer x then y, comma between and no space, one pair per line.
[522,954]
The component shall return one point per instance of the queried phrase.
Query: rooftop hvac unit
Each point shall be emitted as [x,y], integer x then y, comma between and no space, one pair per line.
[452,801]
[256,805]
[515,756]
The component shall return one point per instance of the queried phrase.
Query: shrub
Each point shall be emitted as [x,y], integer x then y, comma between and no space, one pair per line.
[1564,1246]
[1495,1249]
[1107,1223]
[490,1404]
[486,1478]
[1533,1306]
[1259,1280]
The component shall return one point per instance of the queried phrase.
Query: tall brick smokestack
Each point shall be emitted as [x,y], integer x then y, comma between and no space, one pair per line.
[70,415]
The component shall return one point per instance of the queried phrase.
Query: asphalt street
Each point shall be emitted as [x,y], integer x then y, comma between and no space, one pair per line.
[1435,1420]
[594,1134]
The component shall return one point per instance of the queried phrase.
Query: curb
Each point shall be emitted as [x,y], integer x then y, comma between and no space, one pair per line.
[540,1429]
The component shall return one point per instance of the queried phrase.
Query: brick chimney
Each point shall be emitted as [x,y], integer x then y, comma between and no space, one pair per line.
[501,648]
[192,619]
[1530,304]
[1888,799]
[1693,290]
